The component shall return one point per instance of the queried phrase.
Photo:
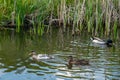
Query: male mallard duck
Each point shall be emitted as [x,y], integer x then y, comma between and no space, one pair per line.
[37,57]
[76,62]
[102,42]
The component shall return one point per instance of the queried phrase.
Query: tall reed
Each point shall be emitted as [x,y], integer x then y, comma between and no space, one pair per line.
[95,16]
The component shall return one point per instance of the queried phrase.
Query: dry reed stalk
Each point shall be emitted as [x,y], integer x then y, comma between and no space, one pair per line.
[68,15]
[50,22]
[62,15]
[96,17]
[109,15]
[13,17]
[74,9]
[82,14]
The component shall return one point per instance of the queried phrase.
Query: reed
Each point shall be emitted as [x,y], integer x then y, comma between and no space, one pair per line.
[115,30]
[89,16]
[95,16]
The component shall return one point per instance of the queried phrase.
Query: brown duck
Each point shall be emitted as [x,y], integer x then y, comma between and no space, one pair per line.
[72,62]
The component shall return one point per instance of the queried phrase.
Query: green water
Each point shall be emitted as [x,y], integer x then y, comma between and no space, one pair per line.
[15,64]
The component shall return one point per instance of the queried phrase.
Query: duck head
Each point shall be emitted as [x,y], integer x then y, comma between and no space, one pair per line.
[109,43]
[32,53]
[70,60]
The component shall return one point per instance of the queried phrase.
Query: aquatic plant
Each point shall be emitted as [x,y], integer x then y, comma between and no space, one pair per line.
[95,16]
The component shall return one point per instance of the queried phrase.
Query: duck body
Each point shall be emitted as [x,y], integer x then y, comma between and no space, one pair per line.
[35,56]
[43,56]
[72,62]
[81,62]
[102,42]
[98,40]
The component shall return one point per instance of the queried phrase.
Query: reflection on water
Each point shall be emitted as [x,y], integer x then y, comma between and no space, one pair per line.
[15,63]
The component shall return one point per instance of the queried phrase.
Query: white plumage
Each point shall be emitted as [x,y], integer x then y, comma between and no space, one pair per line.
[35,56]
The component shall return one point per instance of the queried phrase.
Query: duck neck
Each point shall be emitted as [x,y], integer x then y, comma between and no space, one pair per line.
[109,44]
[70,61]
[70,64]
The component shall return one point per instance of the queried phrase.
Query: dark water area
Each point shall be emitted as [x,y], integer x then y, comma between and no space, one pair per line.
[15,62]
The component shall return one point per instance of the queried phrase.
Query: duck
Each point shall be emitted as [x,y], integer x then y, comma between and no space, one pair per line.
[38,57]
[72,62]
[97,40]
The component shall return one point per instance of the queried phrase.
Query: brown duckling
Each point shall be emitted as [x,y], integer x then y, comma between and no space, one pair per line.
[72,62]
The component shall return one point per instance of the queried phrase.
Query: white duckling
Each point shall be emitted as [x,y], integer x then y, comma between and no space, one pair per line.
[37,57]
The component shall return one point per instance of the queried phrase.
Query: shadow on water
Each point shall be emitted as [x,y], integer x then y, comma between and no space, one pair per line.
[16,64]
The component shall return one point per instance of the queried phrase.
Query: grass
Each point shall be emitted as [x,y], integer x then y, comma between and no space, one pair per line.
[94,16]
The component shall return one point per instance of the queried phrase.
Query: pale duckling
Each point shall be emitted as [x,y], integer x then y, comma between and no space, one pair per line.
[102,42]
[38,57]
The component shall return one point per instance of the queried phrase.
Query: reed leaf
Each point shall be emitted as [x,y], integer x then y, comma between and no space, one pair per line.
[115,29]
[18,23]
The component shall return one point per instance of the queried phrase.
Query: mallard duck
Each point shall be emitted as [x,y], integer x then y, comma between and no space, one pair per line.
[71,61]
[102,42]
[37,57]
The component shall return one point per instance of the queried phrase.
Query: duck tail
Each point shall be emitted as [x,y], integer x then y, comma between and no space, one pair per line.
[92,38]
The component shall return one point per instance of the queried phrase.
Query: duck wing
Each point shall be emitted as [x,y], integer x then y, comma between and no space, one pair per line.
[83,62]
[44,56]
[96,38]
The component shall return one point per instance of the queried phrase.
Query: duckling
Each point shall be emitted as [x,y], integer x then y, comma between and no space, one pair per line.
[37,57]
[76,62]
[102,42]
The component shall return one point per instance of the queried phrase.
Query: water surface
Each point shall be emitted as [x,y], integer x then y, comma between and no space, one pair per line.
[15,64]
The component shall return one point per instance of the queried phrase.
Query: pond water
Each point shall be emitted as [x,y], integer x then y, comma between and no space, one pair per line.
[15,62]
